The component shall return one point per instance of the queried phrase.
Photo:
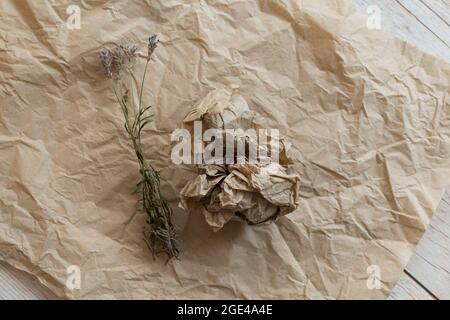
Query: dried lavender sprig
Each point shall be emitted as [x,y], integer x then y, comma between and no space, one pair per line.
[161,235]
[119,61]
[106,58]
[153,42]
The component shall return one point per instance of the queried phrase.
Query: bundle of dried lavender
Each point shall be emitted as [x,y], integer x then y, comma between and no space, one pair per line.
[118,63]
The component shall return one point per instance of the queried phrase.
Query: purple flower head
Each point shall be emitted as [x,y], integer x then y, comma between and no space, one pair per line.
[152,44]
[117,62]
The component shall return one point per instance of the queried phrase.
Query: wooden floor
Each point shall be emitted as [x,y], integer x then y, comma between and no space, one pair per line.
[426,24]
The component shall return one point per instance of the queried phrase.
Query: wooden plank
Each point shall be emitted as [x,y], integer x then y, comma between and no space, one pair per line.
[18,285]
[429,19]
[408,289]
[413,28]
[430,265]
[440,7]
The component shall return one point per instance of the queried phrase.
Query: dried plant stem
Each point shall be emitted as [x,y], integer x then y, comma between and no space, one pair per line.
[161,235]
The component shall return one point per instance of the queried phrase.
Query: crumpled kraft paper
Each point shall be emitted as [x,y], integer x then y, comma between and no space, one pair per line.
[251,183]
[368,114]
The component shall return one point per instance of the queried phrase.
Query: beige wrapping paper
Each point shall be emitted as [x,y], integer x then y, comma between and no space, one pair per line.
[368,115]
[250,181]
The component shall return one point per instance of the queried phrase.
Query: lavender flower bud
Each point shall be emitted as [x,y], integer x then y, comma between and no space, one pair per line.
[106,58]
[118,62]
[152,44]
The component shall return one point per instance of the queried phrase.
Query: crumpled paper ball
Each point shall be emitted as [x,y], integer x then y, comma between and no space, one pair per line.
[254,192]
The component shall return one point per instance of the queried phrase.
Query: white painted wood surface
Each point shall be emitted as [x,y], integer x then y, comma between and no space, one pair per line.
[426,24]
[423,23]
[408,289]
[430,265]
[18,285]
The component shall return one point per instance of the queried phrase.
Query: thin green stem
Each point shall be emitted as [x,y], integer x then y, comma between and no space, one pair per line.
[161,236]
[142,84]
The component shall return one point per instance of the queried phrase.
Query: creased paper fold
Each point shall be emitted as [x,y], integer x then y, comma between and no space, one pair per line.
[236,183]
[367,114]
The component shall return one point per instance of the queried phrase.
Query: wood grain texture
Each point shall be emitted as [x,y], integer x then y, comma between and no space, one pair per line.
[408,289]
[414,22]
[425,24]
[440,8]
[18,285]
[423,13]
[430,265]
